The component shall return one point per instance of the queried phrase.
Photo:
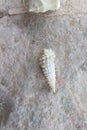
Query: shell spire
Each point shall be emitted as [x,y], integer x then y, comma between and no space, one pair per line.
[47,63]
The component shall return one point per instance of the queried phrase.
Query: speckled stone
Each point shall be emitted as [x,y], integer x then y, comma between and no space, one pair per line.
[22,38]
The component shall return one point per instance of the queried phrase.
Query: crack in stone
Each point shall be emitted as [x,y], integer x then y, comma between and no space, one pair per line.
[2,14]
[19,11]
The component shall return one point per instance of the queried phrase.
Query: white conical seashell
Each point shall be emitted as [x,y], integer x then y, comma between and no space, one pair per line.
[47,63]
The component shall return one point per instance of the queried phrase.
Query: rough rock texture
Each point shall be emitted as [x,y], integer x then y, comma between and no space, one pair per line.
[5,107]
[22,38]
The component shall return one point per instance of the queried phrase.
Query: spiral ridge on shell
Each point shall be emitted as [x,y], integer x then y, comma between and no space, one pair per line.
[47,63]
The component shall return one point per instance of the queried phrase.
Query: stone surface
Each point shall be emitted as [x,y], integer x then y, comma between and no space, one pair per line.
[5,107]
[41,5]
[22,38]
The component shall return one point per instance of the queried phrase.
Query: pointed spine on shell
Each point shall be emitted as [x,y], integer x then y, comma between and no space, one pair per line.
[47,63]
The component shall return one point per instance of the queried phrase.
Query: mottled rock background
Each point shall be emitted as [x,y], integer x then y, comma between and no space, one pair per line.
[22,38]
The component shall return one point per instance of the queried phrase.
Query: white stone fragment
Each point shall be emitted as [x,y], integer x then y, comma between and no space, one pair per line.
[41,5]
